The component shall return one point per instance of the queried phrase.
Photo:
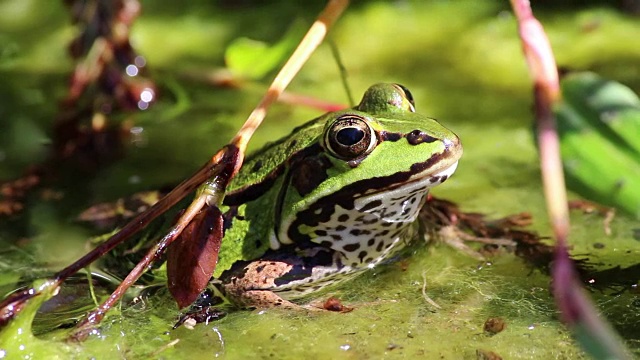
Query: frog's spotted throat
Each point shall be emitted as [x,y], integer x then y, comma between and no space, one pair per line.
[339,195]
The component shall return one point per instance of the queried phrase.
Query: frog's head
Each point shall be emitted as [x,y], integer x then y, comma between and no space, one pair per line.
[370,176]
[384,127]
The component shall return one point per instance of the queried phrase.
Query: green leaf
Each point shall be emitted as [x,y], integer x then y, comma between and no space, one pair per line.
[599,128]
[252,59]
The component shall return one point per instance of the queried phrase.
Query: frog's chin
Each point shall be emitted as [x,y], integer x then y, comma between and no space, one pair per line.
[443,175]
[428,179]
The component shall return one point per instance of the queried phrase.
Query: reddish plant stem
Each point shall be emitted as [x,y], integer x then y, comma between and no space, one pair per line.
[594,334]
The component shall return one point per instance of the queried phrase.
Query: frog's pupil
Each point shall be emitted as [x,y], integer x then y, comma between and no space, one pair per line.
[349,136]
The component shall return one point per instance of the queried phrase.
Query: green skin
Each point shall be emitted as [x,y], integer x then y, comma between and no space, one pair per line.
[339,195]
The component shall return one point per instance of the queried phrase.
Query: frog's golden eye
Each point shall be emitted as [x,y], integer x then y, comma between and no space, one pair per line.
[407,95]
[350,137]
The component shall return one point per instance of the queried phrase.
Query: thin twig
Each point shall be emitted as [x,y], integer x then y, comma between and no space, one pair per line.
[424,292]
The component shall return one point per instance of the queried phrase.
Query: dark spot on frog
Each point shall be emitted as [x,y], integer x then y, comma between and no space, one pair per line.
[417,137]
[336,237]
[238,270]
[373,204]
[326,243]
[343,218]
[297,272]
[380,245]
[598,245]
[259,268]
[371,242]
[351,247]
[434,179]
[357,232]
[309,172]
[340,228]
[389,136]
[229,216]
[383,232]
[257,166]
[370,221]
[362,255]
[321,232]
[313,220]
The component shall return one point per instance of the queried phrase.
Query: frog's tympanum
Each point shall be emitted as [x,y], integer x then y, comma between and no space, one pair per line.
[339,195]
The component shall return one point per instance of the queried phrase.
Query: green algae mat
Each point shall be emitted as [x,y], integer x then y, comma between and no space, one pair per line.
[463,63]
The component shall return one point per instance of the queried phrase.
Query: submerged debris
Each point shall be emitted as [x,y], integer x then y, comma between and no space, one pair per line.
[334,304]
[441,218]
[495,325]
[487,355]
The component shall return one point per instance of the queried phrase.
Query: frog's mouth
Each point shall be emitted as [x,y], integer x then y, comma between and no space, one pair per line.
[432,179]
[419,182]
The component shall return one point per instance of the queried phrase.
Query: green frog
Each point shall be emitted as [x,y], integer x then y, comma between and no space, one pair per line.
[339,195]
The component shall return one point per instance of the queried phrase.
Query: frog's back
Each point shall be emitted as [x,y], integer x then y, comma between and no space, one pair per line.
[261,168]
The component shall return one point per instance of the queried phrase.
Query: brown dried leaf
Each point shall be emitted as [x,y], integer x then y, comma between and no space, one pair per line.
[192,257]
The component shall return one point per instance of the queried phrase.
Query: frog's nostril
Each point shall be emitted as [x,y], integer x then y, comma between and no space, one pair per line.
[417,137]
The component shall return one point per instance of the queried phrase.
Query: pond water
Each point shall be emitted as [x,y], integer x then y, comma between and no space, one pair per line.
[463,64]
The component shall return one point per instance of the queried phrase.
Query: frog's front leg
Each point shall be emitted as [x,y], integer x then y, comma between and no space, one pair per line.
[253,285]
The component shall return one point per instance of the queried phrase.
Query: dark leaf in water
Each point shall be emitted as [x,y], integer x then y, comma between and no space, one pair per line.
[108,215]
[192,257]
